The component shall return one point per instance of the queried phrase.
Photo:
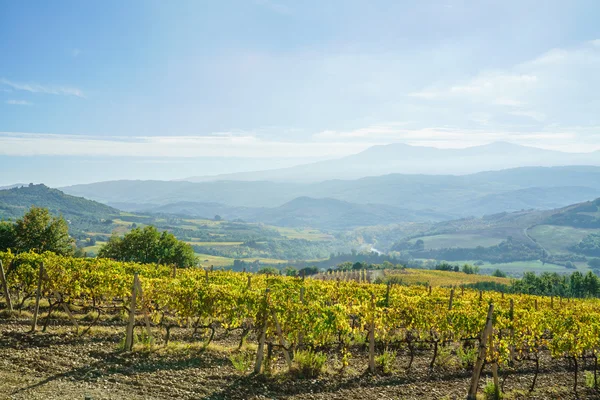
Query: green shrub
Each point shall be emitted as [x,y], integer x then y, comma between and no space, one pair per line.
[308,364]
[589,380]
[490,392]
[241,361]
[467,357]
[385,362]
[445,358]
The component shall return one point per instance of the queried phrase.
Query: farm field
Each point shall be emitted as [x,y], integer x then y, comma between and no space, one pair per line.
[95,248]
[302,233]
[519,267]
[557,239]
[213,356]
[466,240]
[214,244]
[442,278]
[207,260]
[57,365]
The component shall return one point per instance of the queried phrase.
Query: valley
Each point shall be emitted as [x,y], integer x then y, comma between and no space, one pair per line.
[311,230]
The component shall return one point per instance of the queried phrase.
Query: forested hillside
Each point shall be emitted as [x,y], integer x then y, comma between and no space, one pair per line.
[82,214]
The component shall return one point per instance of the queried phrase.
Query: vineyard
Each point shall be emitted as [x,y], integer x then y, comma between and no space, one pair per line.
[305,327]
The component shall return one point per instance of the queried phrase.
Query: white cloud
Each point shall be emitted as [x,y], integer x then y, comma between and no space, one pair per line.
[45,89]
[222,145]
[575,139]
[538,116]
[557,87]
[493,87]
[18,102]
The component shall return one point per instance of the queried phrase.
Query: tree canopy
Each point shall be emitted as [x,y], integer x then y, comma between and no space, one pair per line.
[148,245]
[37,231]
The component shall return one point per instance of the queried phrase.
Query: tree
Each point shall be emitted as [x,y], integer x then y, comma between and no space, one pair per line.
[39,231]
[147,245]
[218,218]
[499,274]
[308,271]
[8,236]
[594,263]
[470,269]
[290,271]
[268,271]
[345,266]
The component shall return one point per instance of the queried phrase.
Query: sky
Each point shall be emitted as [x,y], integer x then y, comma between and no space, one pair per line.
[99,90]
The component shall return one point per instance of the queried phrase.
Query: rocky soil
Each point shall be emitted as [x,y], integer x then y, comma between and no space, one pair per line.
[58,364]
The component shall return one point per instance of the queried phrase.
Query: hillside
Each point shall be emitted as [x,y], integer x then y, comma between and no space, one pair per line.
[450,195]
[81,213]
[407,159]
[16,201]
[329,214]
[559,238]
[338,214]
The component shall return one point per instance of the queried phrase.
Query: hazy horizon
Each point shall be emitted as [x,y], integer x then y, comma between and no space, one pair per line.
[145,89]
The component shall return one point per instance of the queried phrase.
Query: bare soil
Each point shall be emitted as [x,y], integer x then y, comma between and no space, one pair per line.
[58,364]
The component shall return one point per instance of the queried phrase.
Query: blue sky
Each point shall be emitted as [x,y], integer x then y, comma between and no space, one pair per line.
[206,87]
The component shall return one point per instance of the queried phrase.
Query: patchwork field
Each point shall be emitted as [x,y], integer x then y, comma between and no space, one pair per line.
[467,240]
[208,260]
[558,239]
[302,233]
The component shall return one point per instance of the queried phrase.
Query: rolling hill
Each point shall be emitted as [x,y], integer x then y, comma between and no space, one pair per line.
[81,213]
[565,237]
[329,214]
[449,195]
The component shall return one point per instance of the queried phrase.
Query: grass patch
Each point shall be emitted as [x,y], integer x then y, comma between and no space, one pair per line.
[385,362]
[241,361]
[308,364]
[558,239]
[440,278]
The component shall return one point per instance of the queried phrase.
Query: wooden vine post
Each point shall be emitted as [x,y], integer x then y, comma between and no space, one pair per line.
[512,331]
[372,336]
[263,336]
[38,294]
[131,323]
[494,365]
[5,287]
[301,334]
[481,356]
[144,308]
[451,300]
[174,272]
[249,284]
[282,341]
[387,294]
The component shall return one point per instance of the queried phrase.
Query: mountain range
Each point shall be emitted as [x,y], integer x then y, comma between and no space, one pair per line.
[407,159]
[415,197]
